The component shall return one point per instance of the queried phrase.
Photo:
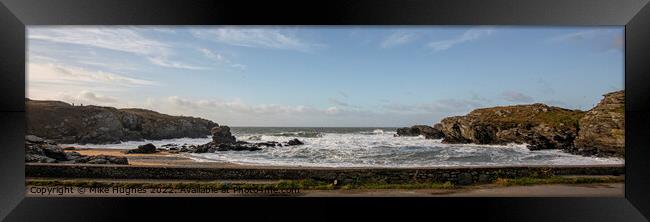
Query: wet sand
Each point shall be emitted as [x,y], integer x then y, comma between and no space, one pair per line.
[163,158]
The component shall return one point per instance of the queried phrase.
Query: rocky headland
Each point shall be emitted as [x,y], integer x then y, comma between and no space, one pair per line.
[599,131]
[65,123]
[539,125]
[602,129]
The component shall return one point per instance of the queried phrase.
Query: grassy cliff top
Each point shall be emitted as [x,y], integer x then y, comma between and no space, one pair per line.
[534,114]
[50,108]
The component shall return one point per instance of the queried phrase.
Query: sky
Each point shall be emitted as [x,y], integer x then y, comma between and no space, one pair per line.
[328,76]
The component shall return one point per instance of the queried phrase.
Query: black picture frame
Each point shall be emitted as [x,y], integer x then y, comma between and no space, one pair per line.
[15,15]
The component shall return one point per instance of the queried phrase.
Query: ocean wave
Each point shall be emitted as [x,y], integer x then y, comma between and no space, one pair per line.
[374,148]
[299,134]
[383,150]
[376,131]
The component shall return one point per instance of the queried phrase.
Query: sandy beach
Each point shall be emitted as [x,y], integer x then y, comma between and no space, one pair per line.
[162,158]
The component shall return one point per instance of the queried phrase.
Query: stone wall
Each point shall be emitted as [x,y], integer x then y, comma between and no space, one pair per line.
[456,175]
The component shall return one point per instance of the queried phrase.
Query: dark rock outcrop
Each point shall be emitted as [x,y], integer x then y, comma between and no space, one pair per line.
[212,147]
[102,159]
[65,123]
[417,130]
[221,134]
[146,148]
[223,140]
[539,125]
[45,151]
[294,142]
[602,129]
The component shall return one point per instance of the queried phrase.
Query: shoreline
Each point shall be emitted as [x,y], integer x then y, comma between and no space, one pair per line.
[165,158]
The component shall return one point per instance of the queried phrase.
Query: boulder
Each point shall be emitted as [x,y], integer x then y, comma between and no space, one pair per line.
[102,159]
[237,147]
[602,129]
[426,131]
[268,144]
[171,146]
[212,147]
[294,142]
[40,151]
[54,151]
[33,158]
[146,148]
[538,125]
[72,155]
[221,134]
[34,139]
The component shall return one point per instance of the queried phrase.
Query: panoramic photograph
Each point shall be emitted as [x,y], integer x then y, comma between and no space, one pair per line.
[324,111]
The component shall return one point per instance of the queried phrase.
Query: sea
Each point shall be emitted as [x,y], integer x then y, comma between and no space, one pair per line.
[366,147]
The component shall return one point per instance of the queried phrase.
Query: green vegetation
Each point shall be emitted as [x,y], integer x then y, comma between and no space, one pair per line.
[511,116]
[566,118]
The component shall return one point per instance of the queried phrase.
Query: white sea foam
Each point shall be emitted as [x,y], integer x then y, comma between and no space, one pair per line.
[381,149]
[375,148]
[135,144]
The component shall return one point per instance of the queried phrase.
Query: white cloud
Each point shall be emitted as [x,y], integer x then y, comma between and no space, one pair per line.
[73,84]
[467,36]
[213,55]
[220,58]
[60,74]
[338,102]
[118,39]
[516,97]
[442,107]
[235,106]
[598,39]
[87,95]
[344,94]
[239,66]
[242,113]
[575,36]
[332,110]
[257,38]
[398,38]
[164,62]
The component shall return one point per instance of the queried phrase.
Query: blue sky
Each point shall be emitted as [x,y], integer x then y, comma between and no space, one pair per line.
[323,76]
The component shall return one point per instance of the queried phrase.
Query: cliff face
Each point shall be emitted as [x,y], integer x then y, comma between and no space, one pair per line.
[65,123]
[602,129]
[539,125]
[427,131]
